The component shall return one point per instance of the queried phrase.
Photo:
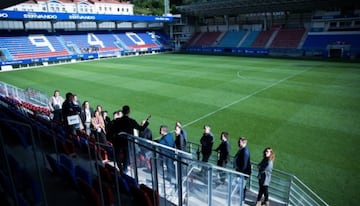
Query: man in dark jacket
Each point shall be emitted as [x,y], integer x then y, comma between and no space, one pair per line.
[70,113]
[127,125]
[223,154]
[85,115]
[206,141]
[167,139]
[223,150]
[242,160]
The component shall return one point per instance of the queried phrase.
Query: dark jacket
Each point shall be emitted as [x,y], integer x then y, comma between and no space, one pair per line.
[224,151]
[83,114]
[146,134]
[180,142]
[242,161]
[207,141]
[127,125]
[265,170]
[69,109]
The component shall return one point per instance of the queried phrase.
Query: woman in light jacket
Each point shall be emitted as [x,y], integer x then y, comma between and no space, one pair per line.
[264,176]
[98,125]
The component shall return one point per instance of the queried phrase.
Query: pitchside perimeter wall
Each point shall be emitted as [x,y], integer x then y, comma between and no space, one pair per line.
[324,53]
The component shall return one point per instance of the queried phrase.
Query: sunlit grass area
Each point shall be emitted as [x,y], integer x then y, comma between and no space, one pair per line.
[308,111]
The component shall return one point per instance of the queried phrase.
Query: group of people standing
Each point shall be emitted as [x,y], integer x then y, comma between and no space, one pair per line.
[78,117]
[241,162]
[97,122]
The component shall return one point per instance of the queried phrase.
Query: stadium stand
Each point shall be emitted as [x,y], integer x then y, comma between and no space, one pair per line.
[287,38]
[68,167]
[337,44]
[24,47]
[89,193]
[140,40]
[90,42]
[19,183]
[35,46]
[106,190]
[262,39]
[163,40]
[207,39]
[194,37]
[250,38]
[232,38]
[54,164]
[321,40]
[82,173]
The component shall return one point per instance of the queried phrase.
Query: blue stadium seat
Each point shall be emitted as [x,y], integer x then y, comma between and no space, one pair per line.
[320,41]
[54,164]
[232,38]
[68,168]
[250,38]
[129,180]
[31,190]
[84,175]
[89,193]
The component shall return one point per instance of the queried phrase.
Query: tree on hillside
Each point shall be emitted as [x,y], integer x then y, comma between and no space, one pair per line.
[156,7]
[148,7]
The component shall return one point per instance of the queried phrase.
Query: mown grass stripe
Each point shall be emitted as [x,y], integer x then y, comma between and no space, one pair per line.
[310,119]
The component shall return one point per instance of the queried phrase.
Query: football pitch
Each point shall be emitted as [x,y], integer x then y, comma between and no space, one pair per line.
[307,111]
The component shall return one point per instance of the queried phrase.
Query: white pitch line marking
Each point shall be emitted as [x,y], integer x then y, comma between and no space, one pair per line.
[240,76]
[244,98]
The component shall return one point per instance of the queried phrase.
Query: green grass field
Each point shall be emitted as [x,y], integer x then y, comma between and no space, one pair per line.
[308,111]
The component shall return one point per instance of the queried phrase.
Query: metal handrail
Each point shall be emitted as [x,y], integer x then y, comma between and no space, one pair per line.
[33,144]
[193,168]
[278,191]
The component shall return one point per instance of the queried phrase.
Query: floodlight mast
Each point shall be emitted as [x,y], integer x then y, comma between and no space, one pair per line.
[166,7]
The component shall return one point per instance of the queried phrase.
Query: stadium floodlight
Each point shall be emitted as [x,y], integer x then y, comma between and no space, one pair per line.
[166,7]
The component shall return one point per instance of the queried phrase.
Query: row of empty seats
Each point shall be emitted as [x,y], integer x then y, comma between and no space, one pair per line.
[207,39]
[320,40]
[80,178]
[53,45]
[232,38]
[17,182]
[288,38]
[69,164]
[274,38]
[262,39]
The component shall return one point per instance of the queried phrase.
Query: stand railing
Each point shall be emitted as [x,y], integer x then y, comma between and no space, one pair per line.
[180,179]
[285,188]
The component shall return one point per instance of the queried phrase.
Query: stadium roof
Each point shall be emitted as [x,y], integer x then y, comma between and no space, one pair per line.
[235,7]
